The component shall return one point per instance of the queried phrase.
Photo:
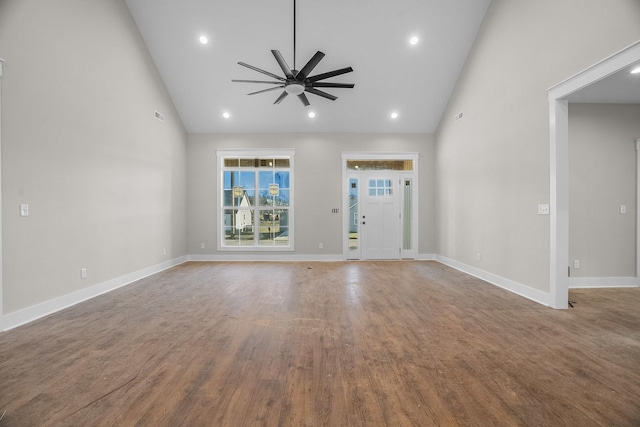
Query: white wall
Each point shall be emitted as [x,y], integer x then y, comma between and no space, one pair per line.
[493,165]
[318,185]
[602,176]
[104,180]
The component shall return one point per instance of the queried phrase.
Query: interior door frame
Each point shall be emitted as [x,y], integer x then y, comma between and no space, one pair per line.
[371,155]
[559,167]
[1,237]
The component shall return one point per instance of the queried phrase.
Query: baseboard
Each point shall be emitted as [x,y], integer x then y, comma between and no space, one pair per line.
[29,314]
[279,257]
[266,257]
[603,282]
[499,281]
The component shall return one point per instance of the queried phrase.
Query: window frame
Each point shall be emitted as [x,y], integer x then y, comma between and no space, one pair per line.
[221,208]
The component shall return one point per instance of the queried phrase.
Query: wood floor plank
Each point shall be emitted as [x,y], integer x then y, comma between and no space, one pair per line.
[325,344]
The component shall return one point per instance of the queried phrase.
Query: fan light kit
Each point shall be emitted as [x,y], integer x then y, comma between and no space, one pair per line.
[297,82]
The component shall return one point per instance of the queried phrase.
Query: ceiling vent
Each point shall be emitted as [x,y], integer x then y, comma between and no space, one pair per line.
[158,116]
[458,116]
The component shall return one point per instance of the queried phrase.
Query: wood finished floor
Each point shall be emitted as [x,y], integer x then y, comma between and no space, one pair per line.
[325,344]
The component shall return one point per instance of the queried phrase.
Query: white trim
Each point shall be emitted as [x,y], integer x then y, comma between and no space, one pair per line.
[638,208]
[559,204]
[603,282]
[499,281]
[381,155]
[221,154]
[265,257]
[1,237]
[285,258]
[559,165]
[29,314]
[598,71]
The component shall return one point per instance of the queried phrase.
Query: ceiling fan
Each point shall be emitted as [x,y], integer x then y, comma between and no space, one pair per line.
[297,82]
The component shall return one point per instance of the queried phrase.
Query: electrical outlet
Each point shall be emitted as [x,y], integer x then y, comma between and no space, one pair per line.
[320,246]
[478,257]
[164,251]
[83,273]
[202,245]
[576,263]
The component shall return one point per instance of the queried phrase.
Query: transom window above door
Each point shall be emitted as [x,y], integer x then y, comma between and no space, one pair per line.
[379,165]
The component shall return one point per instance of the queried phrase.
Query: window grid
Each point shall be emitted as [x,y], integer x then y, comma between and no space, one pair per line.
[380,187]
[256,202]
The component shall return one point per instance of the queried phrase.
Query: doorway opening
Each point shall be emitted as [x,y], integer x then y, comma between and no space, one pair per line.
[559,167]
[380,194]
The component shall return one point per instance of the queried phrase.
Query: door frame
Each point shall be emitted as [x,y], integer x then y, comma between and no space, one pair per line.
[1,237]
[371,155]
[559,166]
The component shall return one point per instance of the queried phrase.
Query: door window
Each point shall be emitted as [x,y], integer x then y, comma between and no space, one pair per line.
[380,187]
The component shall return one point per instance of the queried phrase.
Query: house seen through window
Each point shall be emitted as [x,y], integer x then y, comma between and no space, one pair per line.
[256,203]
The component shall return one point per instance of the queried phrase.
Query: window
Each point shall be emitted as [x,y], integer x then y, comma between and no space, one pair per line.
[393,165]
[380,187]
[256,200]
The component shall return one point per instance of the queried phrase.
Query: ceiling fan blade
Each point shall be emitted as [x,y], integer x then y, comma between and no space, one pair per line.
[302,74]
[266,90]
[282,96]
[261,71]
[255,81]
[321,93]
[303,98]
[330,74]
[283,64]
[342,85]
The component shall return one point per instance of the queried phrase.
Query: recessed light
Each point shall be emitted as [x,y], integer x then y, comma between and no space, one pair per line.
[636,70]
[312,114]
[394,115]
[203,39]
[414,40]
[226,115]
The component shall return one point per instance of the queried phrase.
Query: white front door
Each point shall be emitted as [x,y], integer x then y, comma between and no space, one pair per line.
[380,215]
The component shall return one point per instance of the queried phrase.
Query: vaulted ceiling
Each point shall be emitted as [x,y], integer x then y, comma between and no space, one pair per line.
[372,36]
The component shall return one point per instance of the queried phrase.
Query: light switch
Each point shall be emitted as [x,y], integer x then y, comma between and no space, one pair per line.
[623,209]
[24,210]
[543,209]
